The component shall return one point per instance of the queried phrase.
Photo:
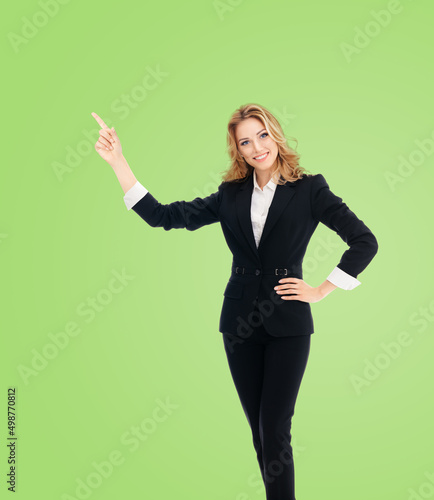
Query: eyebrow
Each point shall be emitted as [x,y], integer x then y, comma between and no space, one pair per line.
[239,140]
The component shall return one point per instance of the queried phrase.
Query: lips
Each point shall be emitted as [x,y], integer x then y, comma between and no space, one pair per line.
[261,159]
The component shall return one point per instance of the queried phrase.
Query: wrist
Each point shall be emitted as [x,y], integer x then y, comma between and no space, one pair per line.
[124,174]
[325,288]
[119,164]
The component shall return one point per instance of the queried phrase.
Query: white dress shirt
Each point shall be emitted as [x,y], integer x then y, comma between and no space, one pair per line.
[261,201]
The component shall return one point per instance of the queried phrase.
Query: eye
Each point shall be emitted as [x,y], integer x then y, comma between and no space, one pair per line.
[264,133]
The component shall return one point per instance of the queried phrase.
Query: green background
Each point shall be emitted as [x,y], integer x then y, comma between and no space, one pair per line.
[363,422]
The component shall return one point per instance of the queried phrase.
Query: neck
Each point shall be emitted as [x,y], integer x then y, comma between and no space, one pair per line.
[262,178]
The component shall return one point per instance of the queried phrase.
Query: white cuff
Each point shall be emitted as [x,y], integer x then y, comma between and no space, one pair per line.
[134,194]
[342,279]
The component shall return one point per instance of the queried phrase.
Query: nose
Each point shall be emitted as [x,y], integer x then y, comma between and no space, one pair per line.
[256,148]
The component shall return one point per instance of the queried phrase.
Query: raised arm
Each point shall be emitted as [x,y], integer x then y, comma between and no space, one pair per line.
[180,214]
[190,215]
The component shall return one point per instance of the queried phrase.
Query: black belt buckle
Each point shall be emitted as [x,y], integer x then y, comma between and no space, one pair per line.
[278,273]
[236,270]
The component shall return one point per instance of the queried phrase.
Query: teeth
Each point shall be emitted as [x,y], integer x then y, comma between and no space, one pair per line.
[260,157]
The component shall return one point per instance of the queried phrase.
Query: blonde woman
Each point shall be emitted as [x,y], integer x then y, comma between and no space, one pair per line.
[268,207]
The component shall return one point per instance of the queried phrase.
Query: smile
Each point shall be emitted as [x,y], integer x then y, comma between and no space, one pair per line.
[260,158]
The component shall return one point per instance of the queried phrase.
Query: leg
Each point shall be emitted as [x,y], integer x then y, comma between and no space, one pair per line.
[284,365]
[246,363]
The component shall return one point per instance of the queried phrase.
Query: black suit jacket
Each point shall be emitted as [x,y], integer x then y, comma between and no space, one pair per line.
[294,213]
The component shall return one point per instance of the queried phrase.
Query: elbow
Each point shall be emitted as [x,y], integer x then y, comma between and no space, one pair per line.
[373,245]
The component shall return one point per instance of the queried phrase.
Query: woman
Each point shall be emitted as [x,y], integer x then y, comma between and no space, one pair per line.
[268,207]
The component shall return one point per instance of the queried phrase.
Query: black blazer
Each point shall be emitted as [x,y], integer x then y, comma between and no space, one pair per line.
[295,211]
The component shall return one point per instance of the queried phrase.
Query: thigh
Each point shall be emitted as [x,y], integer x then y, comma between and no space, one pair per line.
[285,361]
[246,363]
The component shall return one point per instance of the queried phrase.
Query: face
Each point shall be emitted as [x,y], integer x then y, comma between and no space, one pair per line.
[253,141]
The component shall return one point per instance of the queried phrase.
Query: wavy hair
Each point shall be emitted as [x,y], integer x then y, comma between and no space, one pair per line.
[287,160]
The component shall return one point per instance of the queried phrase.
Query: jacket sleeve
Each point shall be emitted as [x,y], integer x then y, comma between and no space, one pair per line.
[190,215]
[335,214]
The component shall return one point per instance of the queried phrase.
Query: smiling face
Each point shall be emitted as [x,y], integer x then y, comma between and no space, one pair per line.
[253,142]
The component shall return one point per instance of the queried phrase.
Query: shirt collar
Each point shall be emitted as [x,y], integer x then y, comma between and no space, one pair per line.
[270,184]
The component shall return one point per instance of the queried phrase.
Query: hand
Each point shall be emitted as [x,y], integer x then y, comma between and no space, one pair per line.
[108,145]
[301,290]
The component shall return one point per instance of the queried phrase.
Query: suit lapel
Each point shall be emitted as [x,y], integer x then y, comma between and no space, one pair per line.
[243,204]
[281,198]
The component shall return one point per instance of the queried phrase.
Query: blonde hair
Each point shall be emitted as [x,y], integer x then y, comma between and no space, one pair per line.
[287,160]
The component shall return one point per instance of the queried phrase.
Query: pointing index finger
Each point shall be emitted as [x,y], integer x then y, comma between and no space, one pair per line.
[100,121]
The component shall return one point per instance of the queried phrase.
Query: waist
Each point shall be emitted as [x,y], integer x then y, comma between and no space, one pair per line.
[275,271]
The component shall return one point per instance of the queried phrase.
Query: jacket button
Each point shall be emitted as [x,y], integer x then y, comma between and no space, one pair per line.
[258,272]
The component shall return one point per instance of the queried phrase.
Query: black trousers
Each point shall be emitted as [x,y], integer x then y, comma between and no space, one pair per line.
[267,373]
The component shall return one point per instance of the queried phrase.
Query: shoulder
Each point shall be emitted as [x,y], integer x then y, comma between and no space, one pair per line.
[231,185]
[309,182]
[316,183]
[315,179]
[308,179]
